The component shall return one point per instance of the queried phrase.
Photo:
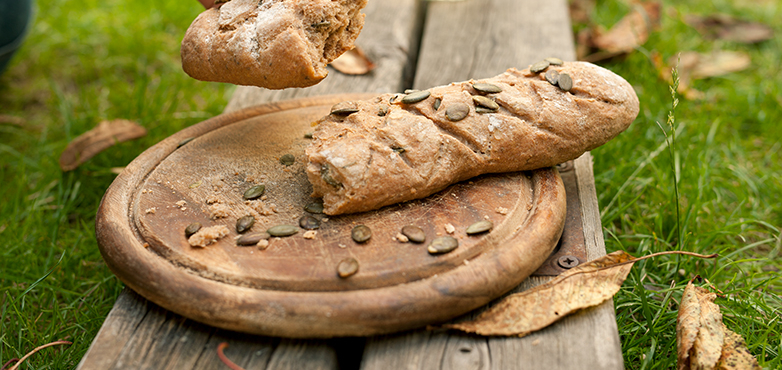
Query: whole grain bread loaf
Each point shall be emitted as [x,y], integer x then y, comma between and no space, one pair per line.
[398,147]
[270,43]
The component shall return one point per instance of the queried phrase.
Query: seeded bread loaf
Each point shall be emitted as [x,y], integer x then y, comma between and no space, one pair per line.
[270,43]
[394,148]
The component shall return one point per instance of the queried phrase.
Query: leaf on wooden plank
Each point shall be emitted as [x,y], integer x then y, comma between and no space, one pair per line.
[626,35]
[584,286]
[102,136]
[353,62]
[703,340]
[726,27]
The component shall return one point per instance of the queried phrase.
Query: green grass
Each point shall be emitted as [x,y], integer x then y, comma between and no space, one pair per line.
[93,60]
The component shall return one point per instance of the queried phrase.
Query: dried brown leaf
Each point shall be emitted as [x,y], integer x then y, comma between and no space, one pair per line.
[699,329]
[92,142]
[626,35]
[584,286]
[725,27]
[735,355]
[695,66]
[353,62]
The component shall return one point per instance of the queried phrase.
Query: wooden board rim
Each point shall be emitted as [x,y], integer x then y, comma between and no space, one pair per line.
[316,314]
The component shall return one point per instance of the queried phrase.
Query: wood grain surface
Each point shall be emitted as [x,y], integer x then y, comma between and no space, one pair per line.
[516,33]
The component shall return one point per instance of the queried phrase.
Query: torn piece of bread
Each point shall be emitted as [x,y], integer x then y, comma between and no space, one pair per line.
[270,43]
[394,148]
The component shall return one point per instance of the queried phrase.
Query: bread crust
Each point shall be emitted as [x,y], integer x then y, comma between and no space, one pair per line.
[274,44]
[389,152]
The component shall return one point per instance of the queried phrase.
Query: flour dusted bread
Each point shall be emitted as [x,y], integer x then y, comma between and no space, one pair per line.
[270,43]
[393,148]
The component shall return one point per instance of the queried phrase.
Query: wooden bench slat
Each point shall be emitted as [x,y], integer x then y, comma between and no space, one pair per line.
[478,39]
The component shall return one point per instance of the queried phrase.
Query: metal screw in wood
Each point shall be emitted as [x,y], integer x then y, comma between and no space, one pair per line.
[567,262]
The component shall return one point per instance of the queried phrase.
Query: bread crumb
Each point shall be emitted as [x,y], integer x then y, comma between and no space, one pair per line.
[181,204]
[263,244]
[262,208]
[208,235]
[310,234]
[449,228]
[151,210]
[212,199]
[401,238]
[343,246]
[218,210]
[501,210]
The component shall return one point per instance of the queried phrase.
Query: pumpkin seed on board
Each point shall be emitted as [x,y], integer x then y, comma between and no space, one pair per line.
[415,97]
[192,229]
[308,222]
[457,111]
[485,102]
[486,88]
[361,233]
[565,82]
[288,159]
[314,207]
[254,192]
[347,267]
[554,61]
[442,244]
[282,230]
[539,66]
[479,227]
[414,233]
[552,76]
[251,239]
[245,223]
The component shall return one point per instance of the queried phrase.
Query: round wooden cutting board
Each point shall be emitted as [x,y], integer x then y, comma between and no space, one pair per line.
[291,288]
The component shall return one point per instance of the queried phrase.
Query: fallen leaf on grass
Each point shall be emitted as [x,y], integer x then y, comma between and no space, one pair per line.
[625,36]
[586,285]
[353,62]
[703,340]
[695,66]
[102,136]
[725,27]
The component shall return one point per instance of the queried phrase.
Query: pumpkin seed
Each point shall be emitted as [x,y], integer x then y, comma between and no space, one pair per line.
[437,103]
[382,110]
[552,76]
[347,267]
[308,222]
[361,233]
[457,111]
[565,82]
[183,142]
[486,88]
[410,91]
[321,24]
[288,159]
[539,66]
[442,244]
[245,223]
[414,233]
[415,97]
[192,229]
[314,207]
[251,239]
[483,110]
[479,227]
[485,102]
[324,173]
[344,109]
[282,230]
[254,192]
[554,61]
[308,135]
[398,150]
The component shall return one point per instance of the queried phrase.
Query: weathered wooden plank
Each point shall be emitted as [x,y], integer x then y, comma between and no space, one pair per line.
[138,334]
[389,38]
[490,37]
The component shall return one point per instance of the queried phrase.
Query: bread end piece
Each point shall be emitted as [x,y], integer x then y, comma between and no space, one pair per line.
[271,44]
